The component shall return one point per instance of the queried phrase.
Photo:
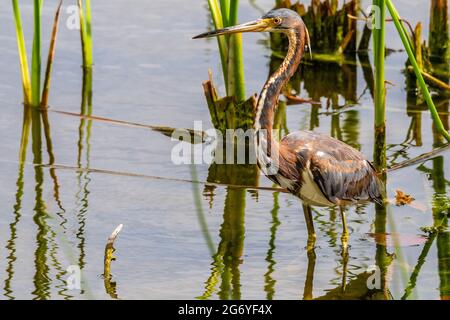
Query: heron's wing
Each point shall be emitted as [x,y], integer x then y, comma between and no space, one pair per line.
[340,171]
[344,176]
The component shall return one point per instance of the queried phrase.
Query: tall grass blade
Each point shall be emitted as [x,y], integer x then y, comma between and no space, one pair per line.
[236,81]
[404,37]
[225,9]
[36,56]
[51,55]
[26,83]
[89,52]
[217,18]
[380,89]
[85,33]
[379,62]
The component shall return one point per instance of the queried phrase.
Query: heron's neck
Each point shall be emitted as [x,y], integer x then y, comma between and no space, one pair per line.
[268,98]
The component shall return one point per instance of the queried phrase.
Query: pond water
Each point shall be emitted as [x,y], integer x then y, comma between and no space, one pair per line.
[244,243]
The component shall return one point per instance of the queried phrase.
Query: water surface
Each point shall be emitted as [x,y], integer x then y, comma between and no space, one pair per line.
[249,244]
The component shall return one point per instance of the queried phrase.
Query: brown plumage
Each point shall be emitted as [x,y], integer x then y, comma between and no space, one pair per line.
[319,169]
[341,173]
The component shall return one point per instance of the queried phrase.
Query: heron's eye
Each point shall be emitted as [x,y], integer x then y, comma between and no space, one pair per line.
[277,21]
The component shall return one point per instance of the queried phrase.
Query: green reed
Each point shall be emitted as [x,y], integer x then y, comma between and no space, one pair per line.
[417,70]
[36,56]
[86,32]
[31,83]
[379,36]
[224,13]
[26,82]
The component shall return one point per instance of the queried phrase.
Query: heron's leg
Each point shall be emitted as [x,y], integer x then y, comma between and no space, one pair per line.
[344,267]
[344,237]
[308,290]
[310,226]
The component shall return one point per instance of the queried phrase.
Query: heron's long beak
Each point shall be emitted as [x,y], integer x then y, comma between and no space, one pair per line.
[253,26]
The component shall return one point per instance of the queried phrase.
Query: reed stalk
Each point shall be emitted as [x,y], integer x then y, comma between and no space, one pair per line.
[86,32]
[26,82]
[51,56]
[380,89]
[225,10]
[225,13]
[417,70]
[379,62]
[216,15]
[236,57]
[36,56]
[31,83]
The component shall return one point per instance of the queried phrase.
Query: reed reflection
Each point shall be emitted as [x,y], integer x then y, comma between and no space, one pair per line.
[270,281]
[83,177]
[11,243]
[228,257]
[46,256]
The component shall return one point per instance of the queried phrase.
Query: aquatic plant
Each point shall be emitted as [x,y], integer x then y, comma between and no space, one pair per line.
[332,29]
[31,83]
[379,35]
[51,55]
[232,111]
[224,14]
[417,70]
[439,41]
[86,32]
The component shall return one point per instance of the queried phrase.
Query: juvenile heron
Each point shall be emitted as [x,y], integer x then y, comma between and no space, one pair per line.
[319,169]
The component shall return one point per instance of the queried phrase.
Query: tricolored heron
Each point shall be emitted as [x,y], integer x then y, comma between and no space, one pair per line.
[319,169]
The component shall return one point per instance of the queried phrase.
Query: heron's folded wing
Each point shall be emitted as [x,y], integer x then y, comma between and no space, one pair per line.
[347,179]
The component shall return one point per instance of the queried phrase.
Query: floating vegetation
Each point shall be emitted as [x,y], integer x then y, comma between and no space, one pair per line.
[402,199]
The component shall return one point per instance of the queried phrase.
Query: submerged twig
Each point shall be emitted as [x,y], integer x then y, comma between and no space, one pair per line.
[430,79]
[110,286]
[112,237]
[161,129]
[292,99]
[136,175]
[422,158]
[368,19]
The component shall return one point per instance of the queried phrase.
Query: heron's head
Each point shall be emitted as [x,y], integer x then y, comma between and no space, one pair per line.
[278,20]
